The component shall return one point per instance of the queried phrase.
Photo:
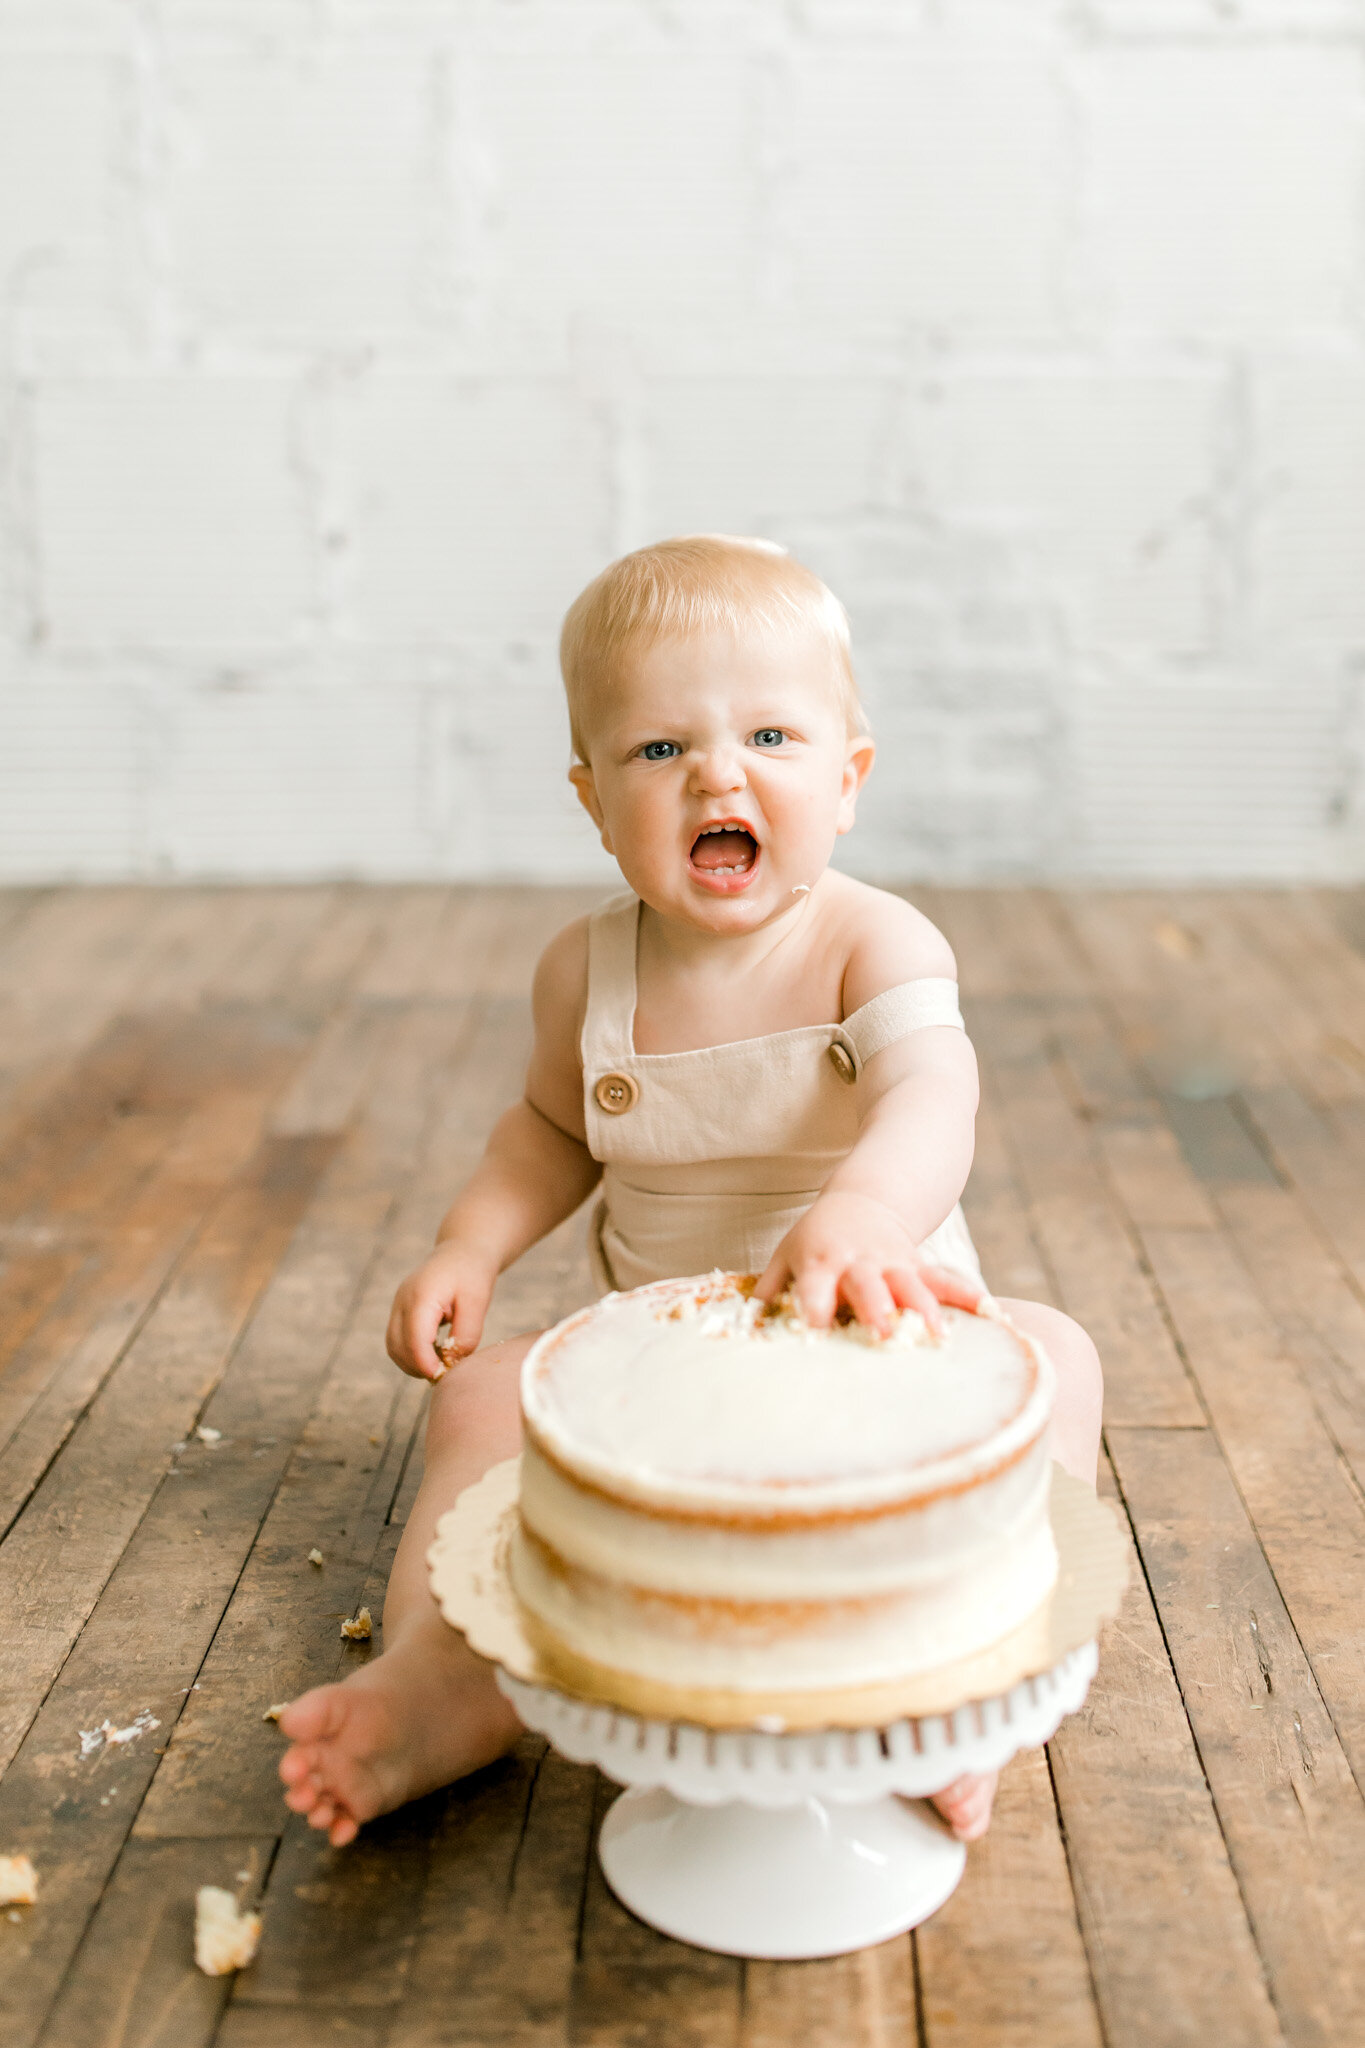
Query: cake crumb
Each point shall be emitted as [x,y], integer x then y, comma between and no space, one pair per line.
[273,1713]
[315,1557]
[207,1435]
[18,1882]
[225,1938]
[357,1631]
[94,1738]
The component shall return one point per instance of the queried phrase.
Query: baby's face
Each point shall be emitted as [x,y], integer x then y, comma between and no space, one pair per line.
[721,773]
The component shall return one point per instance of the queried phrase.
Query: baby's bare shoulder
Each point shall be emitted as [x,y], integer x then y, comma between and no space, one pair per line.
[887,941]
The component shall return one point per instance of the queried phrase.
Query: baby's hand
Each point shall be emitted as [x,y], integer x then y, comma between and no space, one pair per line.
[850,1248]
[453,1285]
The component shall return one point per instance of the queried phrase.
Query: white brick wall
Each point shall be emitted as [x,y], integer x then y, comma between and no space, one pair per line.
[340,344]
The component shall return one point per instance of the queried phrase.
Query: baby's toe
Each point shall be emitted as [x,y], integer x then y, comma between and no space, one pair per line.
[296,1765]
[315,1716]
[344,1829]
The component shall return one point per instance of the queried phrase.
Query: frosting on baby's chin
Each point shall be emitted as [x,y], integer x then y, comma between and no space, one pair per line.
[708,1387]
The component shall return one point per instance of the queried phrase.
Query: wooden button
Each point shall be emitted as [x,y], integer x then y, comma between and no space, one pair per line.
[616,1093]
[841,1059]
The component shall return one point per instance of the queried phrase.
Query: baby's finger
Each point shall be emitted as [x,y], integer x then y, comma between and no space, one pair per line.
[420,1326]
[908,1286]
[816,1288]
[467,1313]
[775,1276]
[954,1288]
[867,1294]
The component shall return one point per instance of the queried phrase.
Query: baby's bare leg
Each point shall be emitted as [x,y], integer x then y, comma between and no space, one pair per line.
[427,1710]
[966,1803]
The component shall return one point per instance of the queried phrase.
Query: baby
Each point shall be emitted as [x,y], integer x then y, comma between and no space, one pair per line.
[757,1060]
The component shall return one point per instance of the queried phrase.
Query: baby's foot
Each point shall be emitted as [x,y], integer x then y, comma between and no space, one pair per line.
[423,1714]
[966,1805]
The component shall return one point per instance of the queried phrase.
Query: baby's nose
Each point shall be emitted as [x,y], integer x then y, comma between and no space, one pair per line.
[717,770]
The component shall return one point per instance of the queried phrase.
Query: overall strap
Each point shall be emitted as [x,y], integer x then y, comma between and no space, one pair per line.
[913,1006]
[608,1038]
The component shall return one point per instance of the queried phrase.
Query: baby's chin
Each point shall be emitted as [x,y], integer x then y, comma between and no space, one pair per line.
[768,897]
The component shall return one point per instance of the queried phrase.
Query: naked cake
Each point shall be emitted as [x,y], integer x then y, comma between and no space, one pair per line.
[715,1495]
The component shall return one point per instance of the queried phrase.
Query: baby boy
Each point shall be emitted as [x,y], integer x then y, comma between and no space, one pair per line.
[756,1061]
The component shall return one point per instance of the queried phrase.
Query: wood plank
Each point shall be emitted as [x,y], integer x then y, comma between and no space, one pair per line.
[864,2000]
[1171,1953]
[1307,1514]
[284,2026]
[340,1925]
[279,1633]
[1291,1815]
[235,1065]
[1322,979]
[1003,1961]
[1318,1312]
[59,1554]
[136,1985]
[1084,1240]
[496,1953]
[79,961]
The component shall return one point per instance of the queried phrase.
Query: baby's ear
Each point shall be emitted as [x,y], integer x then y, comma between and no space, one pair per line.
[581,778]
[862,752]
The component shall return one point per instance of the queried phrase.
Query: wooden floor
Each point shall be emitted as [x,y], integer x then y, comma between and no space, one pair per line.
[228,1123]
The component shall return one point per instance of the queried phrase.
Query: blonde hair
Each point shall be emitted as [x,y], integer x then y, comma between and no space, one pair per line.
[687,585]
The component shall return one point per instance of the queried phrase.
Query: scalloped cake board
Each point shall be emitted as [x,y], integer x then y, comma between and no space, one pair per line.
[469,1578]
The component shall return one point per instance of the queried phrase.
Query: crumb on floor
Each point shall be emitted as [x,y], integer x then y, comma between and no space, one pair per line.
[18,1881]
[225,1938]
[359,1630]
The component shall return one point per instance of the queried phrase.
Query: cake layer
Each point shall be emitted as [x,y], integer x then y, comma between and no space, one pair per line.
[923,1544]
[685,1397]
[781,1645]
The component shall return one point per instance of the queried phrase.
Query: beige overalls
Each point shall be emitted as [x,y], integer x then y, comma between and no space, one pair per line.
[709,1157]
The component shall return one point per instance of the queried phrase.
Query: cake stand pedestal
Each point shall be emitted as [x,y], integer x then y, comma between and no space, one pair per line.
[788,1845]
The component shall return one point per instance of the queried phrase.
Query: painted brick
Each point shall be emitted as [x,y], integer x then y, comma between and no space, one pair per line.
[500,809]
[1103,484]
[1309,498]
[301,204]
[72,761]
[760,454]
[924,191]
[62,225]
[1222,772]
[1225,198]
[1222,18]
[481,507]
[276,773]
[168,513]
[612,186]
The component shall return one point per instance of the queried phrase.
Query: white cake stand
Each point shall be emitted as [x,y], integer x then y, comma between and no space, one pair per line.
[794,1844]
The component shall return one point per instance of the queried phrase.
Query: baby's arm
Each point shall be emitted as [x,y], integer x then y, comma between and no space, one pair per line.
[535,1171]
[859,1241]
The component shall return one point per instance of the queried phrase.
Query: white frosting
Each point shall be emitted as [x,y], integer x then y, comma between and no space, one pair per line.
[661,1398]
[712,1497]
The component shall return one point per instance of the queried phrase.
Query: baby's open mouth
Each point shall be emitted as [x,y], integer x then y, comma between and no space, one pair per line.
[724,850]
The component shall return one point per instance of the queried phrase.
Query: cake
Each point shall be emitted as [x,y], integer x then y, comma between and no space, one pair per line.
[714,1495]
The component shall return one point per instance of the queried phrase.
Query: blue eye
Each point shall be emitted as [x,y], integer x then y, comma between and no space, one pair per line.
[769,736]
[660,750]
